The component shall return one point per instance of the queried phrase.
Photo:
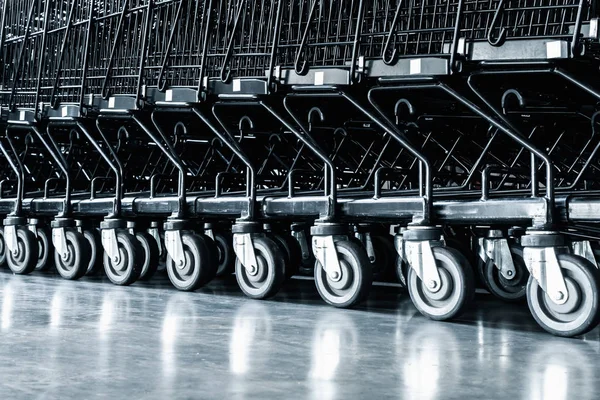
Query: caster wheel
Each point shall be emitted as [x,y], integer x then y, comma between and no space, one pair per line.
[356,278]
[225,254]
[44,250]
[269,275]
[385,253]
[213,252]
[581,313]
[95,247]
[2,248]
[24,259]
[74,263]
[291,251]
[511,290]
[456,291]
[197,269]
[127,269]
[401,271]
[150,255]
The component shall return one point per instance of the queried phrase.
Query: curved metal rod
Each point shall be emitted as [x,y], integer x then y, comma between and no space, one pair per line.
[17,71]
[515,93]
[276,33]
[409,107]
[204,50]
[61,56]
[499,41]
[311,118]
[356,44]
[577,28]
[301,66]
[225,71]
[388,42]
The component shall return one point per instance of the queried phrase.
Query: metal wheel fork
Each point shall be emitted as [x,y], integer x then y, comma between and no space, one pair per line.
[419,255]
[583,248]
[326,253]
[543,265]
[496,248]
[243,246]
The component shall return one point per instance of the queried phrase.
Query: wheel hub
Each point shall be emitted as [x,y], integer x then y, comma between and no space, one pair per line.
[573,301]
[440,291]
[340,280]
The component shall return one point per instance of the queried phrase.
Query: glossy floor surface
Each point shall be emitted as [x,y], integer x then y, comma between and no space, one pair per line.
[90,339]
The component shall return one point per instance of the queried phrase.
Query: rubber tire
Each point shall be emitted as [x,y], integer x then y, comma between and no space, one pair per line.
[213,252]
[27,243]
[352,257]
[383,266]
[493,279]
[44,261]
[95,248]
[132,252]
[572,266]
[197,255]
[79,253]
[451,262]
[225,254]
[151,255]
[2,248]
[271,265]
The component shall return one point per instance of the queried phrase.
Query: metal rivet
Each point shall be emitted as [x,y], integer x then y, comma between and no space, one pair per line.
[432,284]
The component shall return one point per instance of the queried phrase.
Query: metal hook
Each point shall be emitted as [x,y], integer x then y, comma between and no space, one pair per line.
[388,42]
[499,41]
[311,113]
[409,107]
[122,136]
[301,66]
[516,94]
[245,120]
[594,116]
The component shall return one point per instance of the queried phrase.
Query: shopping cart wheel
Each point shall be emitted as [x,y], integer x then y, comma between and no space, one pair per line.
[197,269]
[456,290]
[2,249]
[225,254]
[150,255]
[291,251]
[266,280]
[74,263]
[354,282]
[44,261]
[24,259]
[95,247]
[128,268]
[581,312]
[385,253]
[514,289]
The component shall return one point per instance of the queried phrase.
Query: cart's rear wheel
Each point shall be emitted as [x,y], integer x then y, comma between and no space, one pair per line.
[95,246]
[514,289]
[225,254]
[150,255]
[44,261]
[2,248]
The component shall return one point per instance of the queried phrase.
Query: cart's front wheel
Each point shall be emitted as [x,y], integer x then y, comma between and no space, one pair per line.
[456,286]
[73,264]
[353,284]
[581,312]
[126,269]
[23,259]
[265,279]
[196,269]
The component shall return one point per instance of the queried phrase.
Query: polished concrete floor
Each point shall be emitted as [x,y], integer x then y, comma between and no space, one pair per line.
[90,339]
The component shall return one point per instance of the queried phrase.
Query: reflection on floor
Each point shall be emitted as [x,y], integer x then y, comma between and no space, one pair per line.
[88,339]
